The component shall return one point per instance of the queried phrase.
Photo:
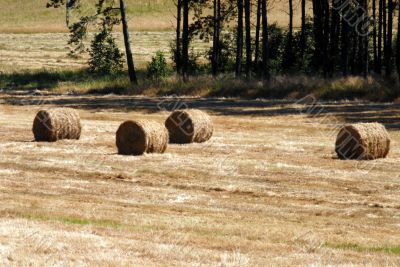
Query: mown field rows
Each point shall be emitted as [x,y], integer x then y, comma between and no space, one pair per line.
[32,16]
[260,192]
[50,51]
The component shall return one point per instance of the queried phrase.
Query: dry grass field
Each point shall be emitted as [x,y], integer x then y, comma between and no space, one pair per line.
[50,50]
[32,16]
[266,190]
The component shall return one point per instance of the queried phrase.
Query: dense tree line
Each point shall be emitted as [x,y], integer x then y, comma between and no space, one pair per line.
[336,37]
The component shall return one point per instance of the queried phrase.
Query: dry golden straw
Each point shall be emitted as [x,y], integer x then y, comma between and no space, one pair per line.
[143,136]
[363,141]
[56,124]
[188,126]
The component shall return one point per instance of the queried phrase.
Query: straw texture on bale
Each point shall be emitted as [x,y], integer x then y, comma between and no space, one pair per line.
[56,124]
[143,136]
[189,126]
[363,141]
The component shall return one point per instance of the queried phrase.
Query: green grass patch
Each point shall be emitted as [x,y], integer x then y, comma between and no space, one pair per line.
[359,248]
[76,221]
[105,223]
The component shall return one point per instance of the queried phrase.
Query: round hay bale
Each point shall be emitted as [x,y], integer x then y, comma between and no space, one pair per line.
[143,136]
[188,126]
[363,141]
[56,124]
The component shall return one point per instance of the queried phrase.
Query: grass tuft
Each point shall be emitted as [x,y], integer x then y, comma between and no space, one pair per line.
[359,248]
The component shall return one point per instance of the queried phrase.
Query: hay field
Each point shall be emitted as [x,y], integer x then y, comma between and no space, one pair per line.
[266,190]
[32,16]
[50,50]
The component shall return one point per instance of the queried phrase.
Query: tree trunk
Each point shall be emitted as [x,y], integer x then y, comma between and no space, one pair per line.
[214,63]
[216,37]
[388,58]
[265,50]
[258,28]
[129,57]
[379,52]
[219,21]
[365,43]
[239,39]
[334,33]
[178,53]
[288,57]
[326,59]
[398,44]
[247,8]
[384,31]
[185,40]
[303,31]
[374,36]
[345,47]
[318,33]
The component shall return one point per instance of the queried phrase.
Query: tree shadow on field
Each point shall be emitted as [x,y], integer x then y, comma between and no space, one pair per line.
[323,112]
[112,92]
[36,80]
[356,112]
[28,81]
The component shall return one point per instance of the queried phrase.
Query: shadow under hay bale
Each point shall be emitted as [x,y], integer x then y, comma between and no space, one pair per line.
[56,124]
[362,141]
[189,126]
[139,137]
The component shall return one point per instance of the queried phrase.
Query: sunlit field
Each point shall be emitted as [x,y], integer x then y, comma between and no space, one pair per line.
[267,188]
[50,50]
[32,16]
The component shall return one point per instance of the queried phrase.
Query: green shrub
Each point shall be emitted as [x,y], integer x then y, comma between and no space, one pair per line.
[157,68]
[105,57]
